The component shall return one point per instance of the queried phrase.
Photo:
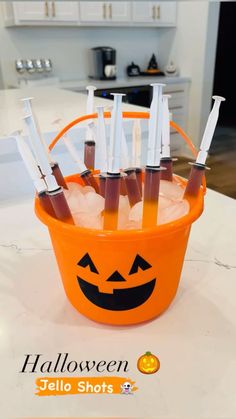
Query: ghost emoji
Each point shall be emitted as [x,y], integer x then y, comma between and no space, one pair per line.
[126,388]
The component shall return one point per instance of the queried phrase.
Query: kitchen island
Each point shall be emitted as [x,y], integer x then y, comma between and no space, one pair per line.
[194,339]
[54,107]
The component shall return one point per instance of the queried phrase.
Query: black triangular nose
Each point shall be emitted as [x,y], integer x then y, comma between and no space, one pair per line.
[116,277]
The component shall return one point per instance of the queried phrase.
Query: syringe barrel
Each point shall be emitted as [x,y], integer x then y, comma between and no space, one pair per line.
[151,184]
[132,187]
[194,181]
[89,154]
[112,194]
[89,180]
[139,177]
[123,189]
[56,171]
[102,185]
[45,201]
[60,206]
[167,174]
[151,194]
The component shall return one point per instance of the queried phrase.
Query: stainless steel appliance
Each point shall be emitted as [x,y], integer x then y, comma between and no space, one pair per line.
[136,95]
[102,63]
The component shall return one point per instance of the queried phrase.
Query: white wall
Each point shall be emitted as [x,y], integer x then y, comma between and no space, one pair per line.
[191,44]
[67,47]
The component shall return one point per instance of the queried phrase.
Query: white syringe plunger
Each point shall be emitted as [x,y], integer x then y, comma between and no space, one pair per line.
[165,149]
[30,163]
[155,126]
[74,154]
[89,110]
[209,130]
[136,143]
[28,108]
[101,145]
[115,134]
[90,99]
[41,154]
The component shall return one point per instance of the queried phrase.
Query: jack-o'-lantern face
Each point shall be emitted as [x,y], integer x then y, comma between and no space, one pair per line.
[148,363]
[122,295]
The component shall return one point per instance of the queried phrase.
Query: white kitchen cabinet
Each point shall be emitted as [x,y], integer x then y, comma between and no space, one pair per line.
[105,12]
[93,11]
[48,12]
[31,10]
[90,13]
[154,13]
[66,11]
[120,11]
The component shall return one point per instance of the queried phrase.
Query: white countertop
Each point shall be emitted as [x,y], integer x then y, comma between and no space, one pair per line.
[195,339]
[54,107]
[57,105]
[122,82]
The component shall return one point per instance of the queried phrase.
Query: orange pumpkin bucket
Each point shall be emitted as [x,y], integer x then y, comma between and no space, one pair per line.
[121,277]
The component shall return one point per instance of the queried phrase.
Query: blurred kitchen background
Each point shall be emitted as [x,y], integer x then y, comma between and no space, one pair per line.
[48,43]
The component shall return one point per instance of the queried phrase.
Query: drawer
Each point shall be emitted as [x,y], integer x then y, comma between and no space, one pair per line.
[177,88]
[177,101]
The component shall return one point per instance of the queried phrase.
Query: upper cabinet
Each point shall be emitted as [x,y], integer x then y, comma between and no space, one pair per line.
[105,12]
[48,12]
[90,13]
[154,12]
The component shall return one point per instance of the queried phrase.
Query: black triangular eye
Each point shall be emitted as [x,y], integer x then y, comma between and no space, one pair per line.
[141,263]
[87,261]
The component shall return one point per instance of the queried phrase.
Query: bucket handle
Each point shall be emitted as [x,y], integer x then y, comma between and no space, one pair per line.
[129,115]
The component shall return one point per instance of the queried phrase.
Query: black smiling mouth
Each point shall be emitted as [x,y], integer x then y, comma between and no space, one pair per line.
[121,299]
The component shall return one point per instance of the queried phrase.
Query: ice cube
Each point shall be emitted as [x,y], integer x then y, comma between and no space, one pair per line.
[77,202]
[95,202]
[170,189]
[88,220]
[176,210]
[123,215]
[136,212]
[74,186]
[164,202]
[134,225]
[86,189]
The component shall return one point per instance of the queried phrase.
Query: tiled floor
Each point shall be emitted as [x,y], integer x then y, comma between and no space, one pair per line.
[222,161]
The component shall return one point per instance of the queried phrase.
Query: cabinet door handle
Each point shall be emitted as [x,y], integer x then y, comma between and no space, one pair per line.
[46,8]
[158,12]
[110,11]
[153,12]
[104,11]
[53,8]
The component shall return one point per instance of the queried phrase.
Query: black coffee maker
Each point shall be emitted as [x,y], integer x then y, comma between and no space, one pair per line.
[102,63]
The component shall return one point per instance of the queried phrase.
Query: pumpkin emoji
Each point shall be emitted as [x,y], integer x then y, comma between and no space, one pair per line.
[148,363]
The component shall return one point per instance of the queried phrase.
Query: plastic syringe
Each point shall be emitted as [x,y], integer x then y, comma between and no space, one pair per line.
[198,168]
[130,179]
[136,152]
[54,165]
[101,149]
[166,160]
[89,144]
[85,173]
[112,191]
[152,169]
[34,173]
[55,192]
